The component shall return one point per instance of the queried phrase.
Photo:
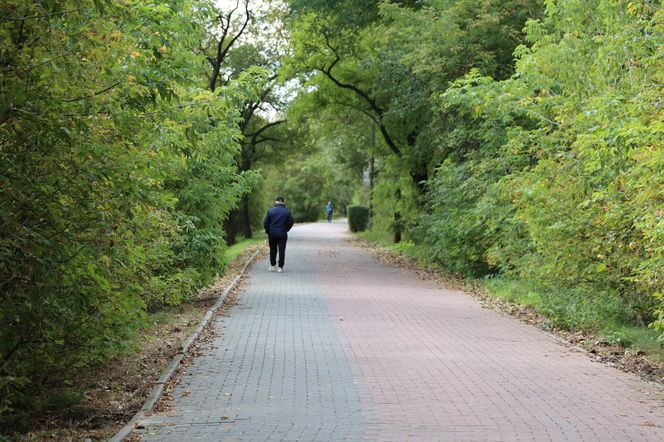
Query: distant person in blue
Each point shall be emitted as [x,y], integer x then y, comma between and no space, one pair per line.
[278,221]
[329,208]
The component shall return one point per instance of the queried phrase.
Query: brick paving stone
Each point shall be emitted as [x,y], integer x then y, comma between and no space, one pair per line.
[278,371]
[341,347]
[439,366]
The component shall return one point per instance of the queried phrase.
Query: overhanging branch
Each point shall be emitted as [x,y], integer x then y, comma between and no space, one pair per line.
[255,135]
[363,95]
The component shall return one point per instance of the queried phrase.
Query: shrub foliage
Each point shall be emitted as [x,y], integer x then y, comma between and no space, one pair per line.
[358,218]
[116,174]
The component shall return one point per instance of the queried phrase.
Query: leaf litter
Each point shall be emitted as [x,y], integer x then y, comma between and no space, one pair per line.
[117,389]
[598,350]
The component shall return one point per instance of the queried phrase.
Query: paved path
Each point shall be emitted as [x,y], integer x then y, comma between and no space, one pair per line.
[341,347]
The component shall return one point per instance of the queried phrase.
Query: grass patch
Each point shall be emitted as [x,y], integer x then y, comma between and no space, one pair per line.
[236,249]
[602,315]
[376,236]
[170,315]
[406,248]
[513,292]
[638,338]
[567,310]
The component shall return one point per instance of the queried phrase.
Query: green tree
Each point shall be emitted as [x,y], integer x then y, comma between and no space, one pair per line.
[389,64]
[244,37]
[574,140]
[115,180]
[591,219]
[328,164]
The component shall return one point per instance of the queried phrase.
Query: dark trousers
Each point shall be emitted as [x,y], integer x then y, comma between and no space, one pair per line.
[277,244]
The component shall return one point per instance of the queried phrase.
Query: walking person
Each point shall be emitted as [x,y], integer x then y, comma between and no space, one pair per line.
[278,221]
[329,208]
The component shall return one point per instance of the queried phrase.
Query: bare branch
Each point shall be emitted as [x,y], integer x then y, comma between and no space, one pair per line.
[237,6]
[247,19]
[222,47]
[218,60]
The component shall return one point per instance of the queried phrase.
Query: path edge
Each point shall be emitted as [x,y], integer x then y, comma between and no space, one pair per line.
[169,371]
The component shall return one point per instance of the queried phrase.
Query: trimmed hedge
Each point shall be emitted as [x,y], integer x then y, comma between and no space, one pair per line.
[358,218]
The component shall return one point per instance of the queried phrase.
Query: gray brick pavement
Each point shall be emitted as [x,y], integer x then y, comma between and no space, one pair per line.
[340,347]
[279,370]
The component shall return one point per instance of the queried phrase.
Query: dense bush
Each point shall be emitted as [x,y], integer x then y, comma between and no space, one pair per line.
[591,216]
[563,201]
[358,218]
[116,174]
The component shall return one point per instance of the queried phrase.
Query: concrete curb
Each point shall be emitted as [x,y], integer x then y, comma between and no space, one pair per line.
[169,371]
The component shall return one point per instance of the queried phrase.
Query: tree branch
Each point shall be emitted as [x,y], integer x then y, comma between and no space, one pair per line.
[249,110]
[264,139]
[222,49]
[364,96]
[359,109]
[29,68]
[92,95]
[244,27]
[539,115]
[5,116]
[264,128]
[216,62]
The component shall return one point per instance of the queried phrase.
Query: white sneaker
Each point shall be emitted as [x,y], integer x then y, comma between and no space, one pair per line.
[281,269]
[272,268]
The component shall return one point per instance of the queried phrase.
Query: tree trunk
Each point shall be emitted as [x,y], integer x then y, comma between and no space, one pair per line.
[230,228]
[372,173]
[397,217]
[245,219]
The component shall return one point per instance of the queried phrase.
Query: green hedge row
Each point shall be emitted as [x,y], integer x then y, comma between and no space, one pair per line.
[358,218]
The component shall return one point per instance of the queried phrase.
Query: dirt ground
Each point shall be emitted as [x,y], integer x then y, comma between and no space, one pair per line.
[115,391]
[625,359]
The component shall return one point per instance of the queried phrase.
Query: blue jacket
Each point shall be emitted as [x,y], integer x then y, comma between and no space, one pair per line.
[278,221]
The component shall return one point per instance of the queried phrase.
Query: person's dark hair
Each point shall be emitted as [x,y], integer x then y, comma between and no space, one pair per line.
[280,199]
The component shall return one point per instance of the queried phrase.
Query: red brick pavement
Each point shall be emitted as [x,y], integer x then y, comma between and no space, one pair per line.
[438,366]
